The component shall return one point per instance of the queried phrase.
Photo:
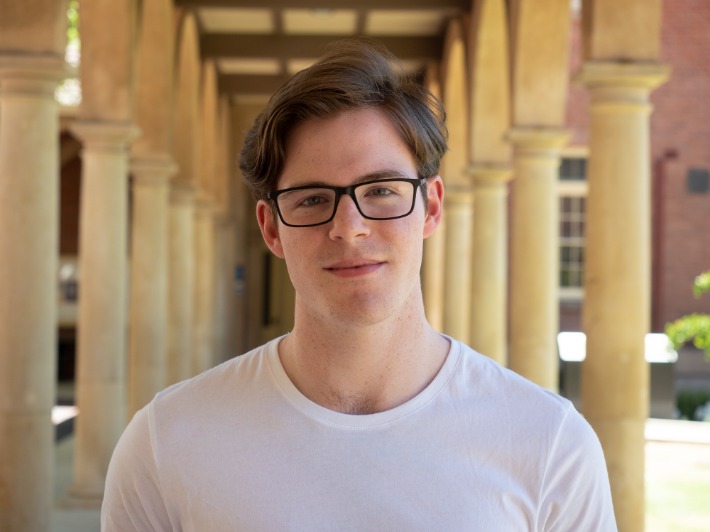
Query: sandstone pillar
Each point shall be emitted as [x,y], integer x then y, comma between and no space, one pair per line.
[149,280]
[534,315]
[489,171]
[204,287]
[29,203]
[433,276]
[458,211]
[489,279]
[101,334]
[458,204]
[225,313]
[181,273]
[616,314]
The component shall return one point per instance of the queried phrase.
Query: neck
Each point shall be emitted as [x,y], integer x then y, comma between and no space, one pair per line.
[362,369]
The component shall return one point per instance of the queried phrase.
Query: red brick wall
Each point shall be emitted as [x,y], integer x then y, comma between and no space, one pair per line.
[680,140]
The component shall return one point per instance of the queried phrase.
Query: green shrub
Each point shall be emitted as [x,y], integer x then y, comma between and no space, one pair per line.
[693,328]
[688,401]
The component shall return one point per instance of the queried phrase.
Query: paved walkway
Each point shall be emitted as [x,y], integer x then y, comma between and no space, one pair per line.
[674,449]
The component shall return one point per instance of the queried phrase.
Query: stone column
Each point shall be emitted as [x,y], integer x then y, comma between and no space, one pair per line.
[181,279]
[433,276]
[616,314]
[101,332]
[29,247]
[458,210]
[534,286]
[489,279]
[149,280]
[204,287]
[225,305]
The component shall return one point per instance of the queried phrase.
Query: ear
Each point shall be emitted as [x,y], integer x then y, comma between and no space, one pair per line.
[435,210]
[269,228]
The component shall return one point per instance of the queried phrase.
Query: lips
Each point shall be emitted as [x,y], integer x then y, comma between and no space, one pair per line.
[351,268]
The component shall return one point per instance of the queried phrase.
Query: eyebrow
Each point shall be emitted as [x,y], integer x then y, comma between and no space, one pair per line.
[372,176]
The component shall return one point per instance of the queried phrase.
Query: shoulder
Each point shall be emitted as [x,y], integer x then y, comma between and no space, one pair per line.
[170,433]
[511,393]
[234,377]
[548,435]
[513,409]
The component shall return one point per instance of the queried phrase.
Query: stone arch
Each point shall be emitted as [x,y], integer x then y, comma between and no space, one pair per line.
[454,94]
[540,51]
[489,83]
[154,78]
[209,152]
[224,188]
[619,31]
[187,90]
[108,31]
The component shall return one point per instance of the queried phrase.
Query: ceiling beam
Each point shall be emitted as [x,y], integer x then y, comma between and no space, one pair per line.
[305,47]
[246,84]
[328,4]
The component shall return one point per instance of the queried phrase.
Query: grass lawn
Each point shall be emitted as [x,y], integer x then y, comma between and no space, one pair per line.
[677,487]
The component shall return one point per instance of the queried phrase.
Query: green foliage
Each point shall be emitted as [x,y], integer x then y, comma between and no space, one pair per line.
[73,21]
[693,328]
[701,284]
[688,402]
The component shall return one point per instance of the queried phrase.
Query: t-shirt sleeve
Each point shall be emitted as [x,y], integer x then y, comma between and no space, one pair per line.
[133,496]
[576,493]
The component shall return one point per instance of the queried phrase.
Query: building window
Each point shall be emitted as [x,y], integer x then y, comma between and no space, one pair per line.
[572,188]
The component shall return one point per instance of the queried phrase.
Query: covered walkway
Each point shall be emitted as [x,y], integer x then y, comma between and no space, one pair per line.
[174,277]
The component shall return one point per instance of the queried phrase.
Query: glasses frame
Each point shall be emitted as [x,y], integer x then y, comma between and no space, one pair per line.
[350,191]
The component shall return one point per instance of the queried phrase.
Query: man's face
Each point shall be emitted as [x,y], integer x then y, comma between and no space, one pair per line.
[352,270]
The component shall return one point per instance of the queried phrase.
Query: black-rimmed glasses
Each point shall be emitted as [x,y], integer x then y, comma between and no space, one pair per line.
[381,199]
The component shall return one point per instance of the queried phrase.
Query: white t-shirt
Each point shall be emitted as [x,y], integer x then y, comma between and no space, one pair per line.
[240,448]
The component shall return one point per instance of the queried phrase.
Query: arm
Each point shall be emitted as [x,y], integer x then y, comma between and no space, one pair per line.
[576,494]
[133,497]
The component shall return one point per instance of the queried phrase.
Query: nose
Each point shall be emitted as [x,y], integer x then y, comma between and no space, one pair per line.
[348,223]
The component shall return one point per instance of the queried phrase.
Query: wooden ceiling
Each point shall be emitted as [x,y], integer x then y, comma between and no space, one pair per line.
[257,45]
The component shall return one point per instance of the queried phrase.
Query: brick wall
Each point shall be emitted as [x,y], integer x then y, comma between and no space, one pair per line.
[680,140]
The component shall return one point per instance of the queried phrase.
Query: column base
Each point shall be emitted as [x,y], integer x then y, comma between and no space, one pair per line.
[80,498]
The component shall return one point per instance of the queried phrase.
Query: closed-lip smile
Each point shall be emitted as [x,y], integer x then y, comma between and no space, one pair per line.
[354,267]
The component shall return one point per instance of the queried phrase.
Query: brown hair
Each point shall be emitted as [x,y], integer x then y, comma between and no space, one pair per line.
[352,74]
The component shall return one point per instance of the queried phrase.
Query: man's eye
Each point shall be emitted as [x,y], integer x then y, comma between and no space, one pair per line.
[380,191]
[312,201]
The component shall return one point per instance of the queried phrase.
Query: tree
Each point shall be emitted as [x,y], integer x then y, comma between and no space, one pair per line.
[694,327]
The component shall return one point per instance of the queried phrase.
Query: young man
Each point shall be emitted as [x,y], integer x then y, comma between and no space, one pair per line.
[363,417]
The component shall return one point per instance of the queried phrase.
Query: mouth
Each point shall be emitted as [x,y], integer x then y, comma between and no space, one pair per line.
[354,268]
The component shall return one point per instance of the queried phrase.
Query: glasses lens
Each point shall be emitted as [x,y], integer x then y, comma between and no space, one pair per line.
[385,199]
[307,206]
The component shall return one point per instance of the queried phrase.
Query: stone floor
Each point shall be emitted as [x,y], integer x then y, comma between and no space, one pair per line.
[670,445]
[65,518]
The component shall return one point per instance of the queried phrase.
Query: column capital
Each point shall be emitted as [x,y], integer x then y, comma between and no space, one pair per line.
[538,138]
[105,135]
[154,169]
[204,205]
[182,192]
[458,194]
[490,175]
[645,75]
[225,219]
[622,86]
[35,75]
